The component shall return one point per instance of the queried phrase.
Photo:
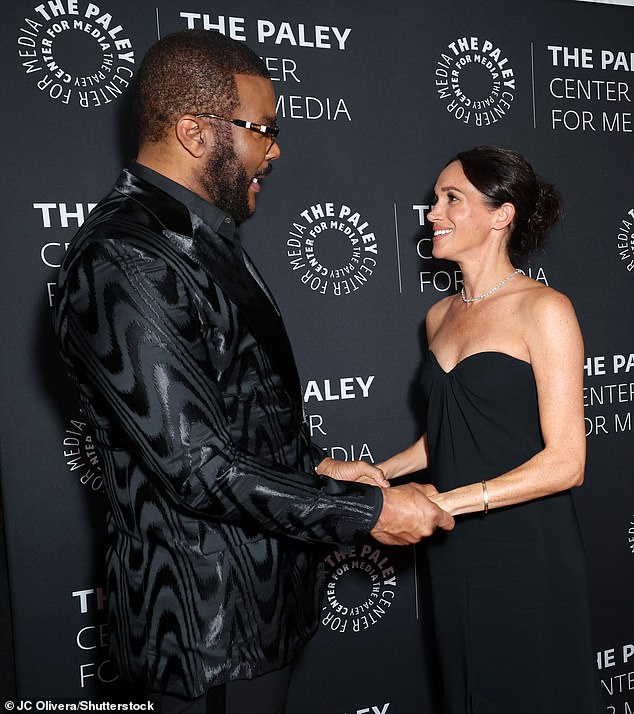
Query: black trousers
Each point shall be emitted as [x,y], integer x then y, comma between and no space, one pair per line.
[264,695]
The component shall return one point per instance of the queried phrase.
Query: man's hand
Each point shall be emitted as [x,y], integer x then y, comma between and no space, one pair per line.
[352,471]
[408,515]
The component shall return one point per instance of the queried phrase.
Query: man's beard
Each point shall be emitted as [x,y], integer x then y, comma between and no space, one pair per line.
[226,181]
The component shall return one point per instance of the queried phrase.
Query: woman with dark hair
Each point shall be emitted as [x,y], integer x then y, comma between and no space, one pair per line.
[503,381]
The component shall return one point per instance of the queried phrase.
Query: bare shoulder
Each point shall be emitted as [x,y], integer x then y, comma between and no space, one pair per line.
[543,305]
[549,321]
[436,314]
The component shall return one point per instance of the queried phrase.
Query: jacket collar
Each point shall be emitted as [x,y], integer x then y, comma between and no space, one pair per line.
[217,250]
[220,221]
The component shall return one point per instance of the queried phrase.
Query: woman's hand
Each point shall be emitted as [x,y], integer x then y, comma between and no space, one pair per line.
[443,500]
[360,471]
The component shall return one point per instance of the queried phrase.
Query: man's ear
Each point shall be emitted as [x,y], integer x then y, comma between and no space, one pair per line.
[504,216]
[193,135]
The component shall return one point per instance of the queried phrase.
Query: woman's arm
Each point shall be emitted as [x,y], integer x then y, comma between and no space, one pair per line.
[414,458]
[555,346]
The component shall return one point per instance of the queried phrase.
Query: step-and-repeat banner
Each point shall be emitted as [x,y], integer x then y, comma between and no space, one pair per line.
[373,99]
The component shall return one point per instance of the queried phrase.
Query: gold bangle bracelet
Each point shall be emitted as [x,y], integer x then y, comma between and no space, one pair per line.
[485,497]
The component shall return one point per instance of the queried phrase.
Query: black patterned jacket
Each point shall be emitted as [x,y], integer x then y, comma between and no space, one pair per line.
[186,374]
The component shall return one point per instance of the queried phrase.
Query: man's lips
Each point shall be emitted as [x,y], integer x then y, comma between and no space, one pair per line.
[255,184]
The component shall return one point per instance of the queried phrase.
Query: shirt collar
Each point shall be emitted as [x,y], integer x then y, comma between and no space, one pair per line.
[217,219]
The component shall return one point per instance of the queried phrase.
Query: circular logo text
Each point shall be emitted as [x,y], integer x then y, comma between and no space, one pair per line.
[625,241]
[360,589]
[81,456]
[332,248]
[474,81]
[76,53]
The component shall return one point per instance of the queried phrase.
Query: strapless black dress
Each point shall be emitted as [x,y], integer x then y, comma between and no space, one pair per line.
[509,589]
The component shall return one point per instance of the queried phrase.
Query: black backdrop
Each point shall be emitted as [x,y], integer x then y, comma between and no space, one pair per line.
[372,102]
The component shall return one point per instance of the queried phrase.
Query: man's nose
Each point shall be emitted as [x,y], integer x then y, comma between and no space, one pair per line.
[274,151]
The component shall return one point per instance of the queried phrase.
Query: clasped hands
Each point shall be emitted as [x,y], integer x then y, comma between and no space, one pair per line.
[408,514]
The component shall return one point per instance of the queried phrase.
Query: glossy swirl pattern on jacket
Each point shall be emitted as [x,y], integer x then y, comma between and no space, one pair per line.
[186,374]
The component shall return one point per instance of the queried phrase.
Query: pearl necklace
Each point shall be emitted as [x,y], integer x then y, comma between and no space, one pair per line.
[464,297]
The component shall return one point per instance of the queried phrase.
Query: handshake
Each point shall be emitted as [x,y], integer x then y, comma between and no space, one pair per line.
[407,515]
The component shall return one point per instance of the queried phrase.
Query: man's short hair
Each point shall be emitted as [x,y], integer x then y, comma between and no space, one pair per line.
[191,71]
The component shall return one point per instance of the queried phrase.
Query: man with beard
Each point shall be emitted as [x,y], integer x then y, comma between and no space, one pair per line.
[217,498]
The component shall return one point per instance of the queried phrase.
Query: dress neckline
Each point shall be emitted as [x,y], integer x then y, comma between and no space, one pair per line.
[475,355]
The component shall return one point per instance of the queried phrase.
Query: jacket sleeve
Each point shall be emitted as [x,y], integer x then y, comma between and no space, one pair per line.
[130,331]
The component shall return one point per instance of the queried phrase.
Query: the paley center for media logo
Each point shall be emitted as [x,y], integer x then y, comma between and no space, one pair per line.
[474,80]
[76,53]
[360,589]
[332,248]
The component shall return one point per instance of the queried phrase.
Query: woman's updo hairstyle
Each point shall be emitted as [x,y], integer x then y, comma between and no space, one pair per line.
[504,176]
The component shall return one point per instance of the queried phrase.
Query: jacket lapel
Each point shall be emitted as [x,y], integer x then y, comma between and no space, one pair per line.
[235,280]
[217,257]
